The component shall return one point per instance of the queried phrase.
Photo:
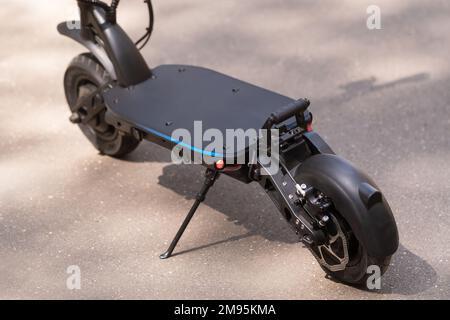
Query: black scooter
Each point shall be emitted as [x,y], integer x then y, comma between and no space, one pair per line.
[336,210]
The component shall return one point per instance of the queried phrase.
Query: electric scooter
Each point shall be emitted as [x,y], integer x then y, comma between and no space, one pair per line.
[117,101]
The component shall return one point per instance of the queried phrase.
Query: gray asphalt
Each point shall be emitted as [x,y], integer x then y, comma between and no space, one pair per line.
[381,98]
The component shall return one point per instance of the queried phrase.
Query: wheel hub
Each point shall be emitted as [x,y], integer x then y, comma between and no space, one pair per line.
[97,124]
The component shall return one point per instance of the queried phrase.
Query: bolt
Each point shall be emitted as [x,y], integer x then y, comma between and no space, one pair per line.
[284,183]
[291,196]
[301,189]
[324,221]
[297,221]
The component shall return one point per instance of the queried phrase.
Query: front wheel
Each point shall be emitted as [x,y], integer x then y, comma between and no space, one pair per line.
[360,239]
[84,76]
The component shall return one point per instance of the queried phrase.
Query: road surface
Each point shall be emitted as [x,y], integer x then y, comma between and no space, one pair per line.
[381,98]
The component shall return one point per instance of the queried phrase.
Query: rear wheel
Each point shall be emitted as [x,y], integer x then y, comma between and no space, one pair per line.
[83,76]
[343,256]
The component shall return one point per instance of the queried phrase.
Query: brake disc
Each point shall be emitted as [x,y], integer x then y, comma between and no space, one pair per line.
[327,249]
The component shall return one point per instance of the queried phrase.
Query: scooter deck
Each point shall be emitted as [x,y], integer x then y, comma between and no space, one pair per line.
[178,95]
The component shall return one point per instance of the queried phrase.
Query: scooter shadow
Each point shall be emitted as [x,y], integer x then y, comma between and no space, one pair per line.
[242,204]
[408,275]
[259,215]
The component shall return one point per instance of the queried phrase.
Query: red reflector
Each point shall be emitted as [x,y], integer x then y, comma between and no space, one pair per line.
[220,164]
[309,127]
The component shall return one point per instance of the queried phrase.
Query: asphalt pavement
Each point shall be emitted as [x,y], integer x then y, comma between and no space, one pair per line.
[381,98]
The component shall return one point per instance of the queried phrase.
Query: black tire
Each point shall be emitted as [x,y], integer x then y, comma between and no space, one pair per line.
[355,272]
[83,76]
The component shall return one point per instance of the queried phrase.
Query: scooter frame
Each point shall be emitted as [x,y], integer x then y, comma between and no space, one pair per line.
[107,41]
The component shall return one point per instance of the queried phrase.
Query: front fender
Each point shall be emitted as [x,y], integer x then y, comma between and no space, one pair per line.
[70,30]
[357,198]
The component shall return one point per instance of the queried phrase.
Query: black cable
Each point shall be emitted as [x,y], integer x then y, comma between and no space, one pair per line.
[146,37]
[111,13]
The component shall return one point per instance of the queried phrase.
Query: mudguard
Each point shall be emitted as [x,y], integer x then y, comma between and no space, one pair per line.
[101,55]
[357,198]
[120,57]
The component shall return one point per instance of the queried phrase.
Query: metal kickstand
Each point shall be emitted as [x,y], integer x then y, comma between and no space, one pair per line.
[210,177]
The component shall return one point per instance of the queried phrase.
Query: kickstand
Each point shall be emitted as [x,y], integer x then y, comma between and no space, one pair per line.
[210,177]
